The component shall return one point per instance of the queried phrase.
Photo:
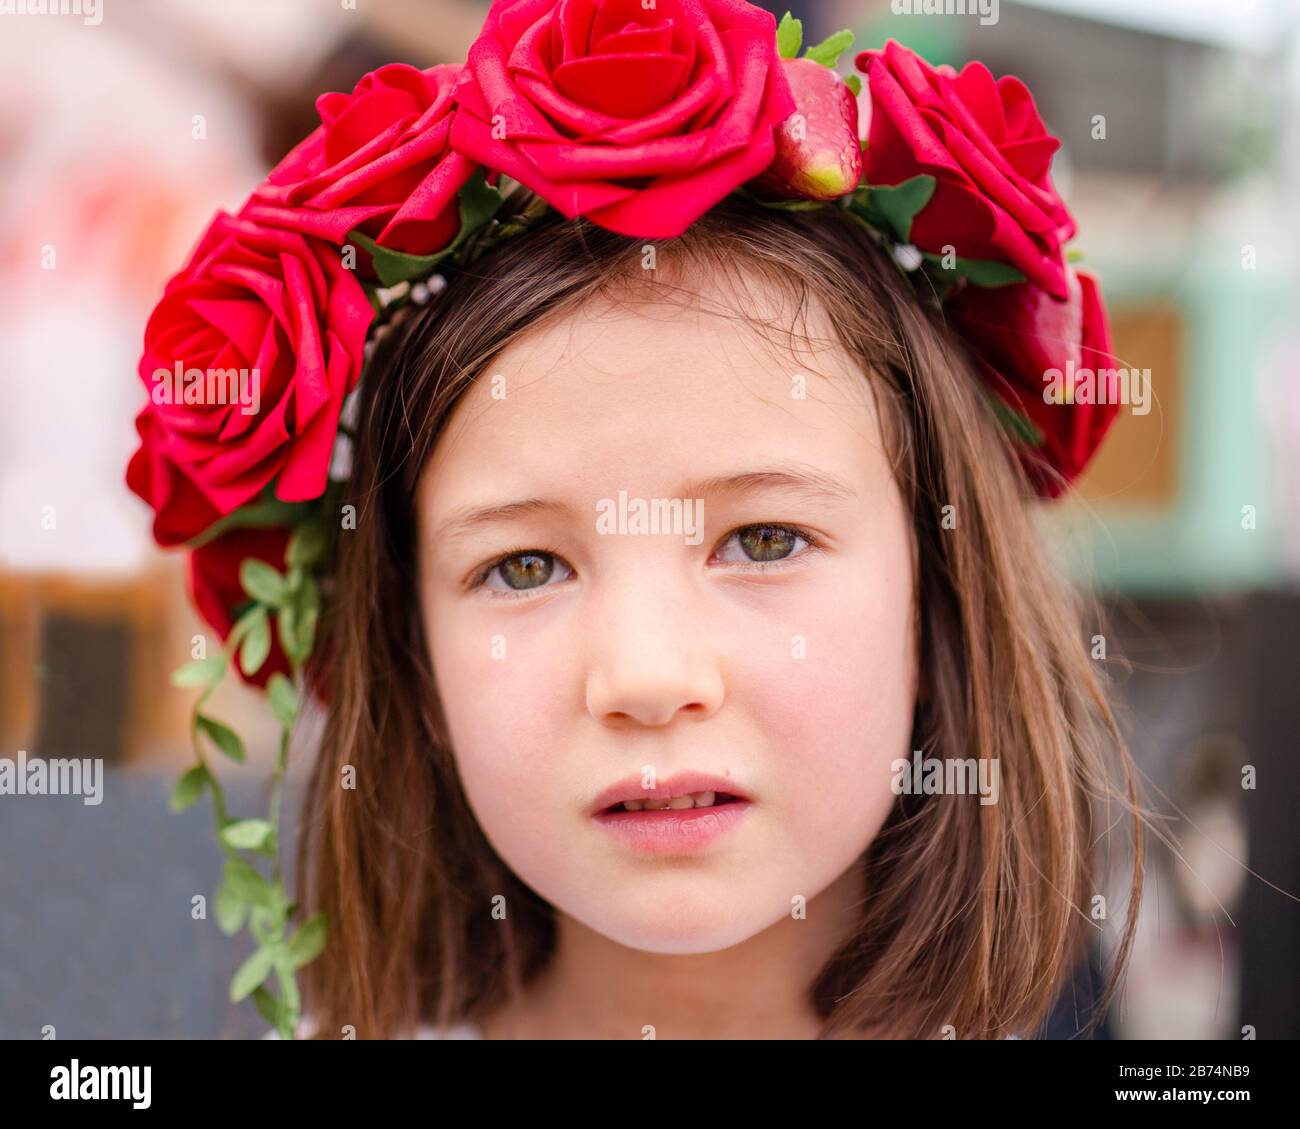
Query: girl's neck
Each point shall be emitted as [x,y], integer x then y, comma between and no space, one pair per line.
[595,988]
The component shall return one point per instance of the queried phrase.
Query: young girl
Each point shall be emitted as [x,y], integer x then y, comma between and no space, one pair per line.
[691,664]
[505,677]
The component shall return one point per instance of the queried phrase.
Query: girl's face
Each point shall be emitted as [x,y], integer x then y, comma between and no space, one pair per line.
[766,639]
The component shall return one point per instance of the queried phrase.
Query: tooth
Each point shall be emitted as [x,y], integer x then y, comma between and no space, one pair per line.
[679,802]
[632,805]
[656,805]
[703,799]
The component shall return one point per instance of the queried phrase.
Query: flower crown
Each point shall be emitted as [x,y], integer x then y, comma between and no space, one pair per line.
[638,115]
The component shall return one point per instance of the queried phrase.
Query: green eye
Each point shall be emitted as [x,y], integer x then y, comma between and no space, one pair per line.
[768,542]
[527,570]
[764,544]
[522,571]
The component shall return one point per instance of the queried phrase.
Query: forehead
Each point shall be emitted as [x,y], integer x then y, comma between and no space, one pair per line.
[640,391]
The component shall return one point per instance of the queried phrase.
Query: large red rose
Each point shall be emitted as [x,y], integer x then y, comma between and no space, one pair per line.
[989,152]
[638,117]
[1021,334]
[379,162]
[279,311]
[215,589]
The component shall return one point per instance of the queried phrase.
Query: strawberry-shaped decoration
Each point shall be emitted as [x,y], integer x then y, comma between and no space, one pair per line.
[818,154]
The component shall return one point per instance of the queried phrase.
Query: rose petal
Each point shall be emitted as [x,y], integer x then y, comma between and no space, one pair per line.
[623,86]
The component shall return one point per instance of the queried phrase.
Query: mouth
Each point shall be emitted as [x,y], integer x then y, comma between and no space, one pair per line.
[688,802]
[687,813]
[658,831]
[684,791]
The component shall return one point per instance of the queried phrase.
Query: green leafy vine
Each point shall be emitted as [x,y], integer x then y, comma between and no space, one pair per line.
[246,895]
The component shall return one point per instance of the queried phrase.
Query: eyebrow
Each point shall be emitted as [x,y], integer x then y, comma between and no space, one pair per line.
[802,479]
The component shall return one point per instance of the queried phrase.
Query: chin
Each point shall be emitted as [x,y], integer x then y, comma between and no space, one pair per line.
[677,926]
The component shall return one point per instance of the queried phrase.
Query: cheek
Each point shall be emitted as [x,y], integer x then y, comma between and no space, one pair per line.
[836,693]
[503,694]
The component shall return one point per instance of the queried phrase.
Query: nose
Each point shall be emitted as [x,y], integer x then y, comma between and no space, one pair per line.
[652,660]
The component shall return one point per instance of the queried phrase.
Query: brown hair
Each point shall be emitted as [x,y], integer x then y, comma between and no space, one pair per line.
[975,915]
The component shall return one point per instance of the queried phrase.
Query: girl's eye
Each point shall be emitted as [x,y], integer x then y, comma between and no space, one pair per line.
[765,544]
[524,570]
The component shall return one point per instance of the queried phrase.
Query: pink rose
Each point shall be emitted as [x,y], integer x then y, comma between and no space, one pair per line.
[639,118]
[247,358]
[379,162]
[989,152]
[1021,335]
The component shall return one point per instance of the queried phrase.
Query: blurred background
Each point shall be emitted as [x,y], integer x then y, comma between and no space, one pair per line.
[1181,128]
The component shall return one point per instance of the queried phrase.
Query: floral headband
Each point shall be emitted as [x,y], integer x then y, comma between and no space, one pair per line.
[638,115]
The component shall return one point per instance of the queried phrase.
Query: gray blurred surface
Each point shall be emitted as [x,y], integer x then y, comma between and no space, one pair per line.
[96,933]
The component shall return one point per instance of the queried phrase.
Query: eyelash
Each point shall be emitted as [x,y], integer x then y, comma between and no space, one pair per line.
[479,579]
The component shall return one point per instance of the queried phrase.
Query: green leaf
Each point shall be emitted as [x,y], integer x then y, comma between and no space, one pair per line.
[854,83]
[286,624]
[248,885]
[189,788]
[225,738]
[242,624]
[268,923]
[267,1005]
[248,834]
[264,583]
[789,36]
[291,1001]
[477,202]
[1020,427]
[307,633]
[257,644]
[1074,255]
[229,909]
[784,204]
[306,945]
[980,272]
[306,546]
[892,208]
[251,973]
[393,267]
[829,50]
[310,599]
[306,618]
[284,700]
[201,672]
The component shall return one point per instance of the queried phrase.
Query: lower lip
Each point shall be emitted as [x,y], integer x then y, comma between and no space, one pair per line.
[673,832]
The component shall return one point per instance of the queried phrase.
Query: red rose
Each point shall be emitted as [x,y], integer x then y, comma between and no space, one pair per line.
[213,577]
[379,162]
[273,327]
[640,118]
[1025,339]
[989,152]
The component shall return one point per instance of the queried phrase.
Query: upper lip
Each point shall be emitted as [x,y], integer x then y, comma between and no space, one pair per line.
[682,784]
